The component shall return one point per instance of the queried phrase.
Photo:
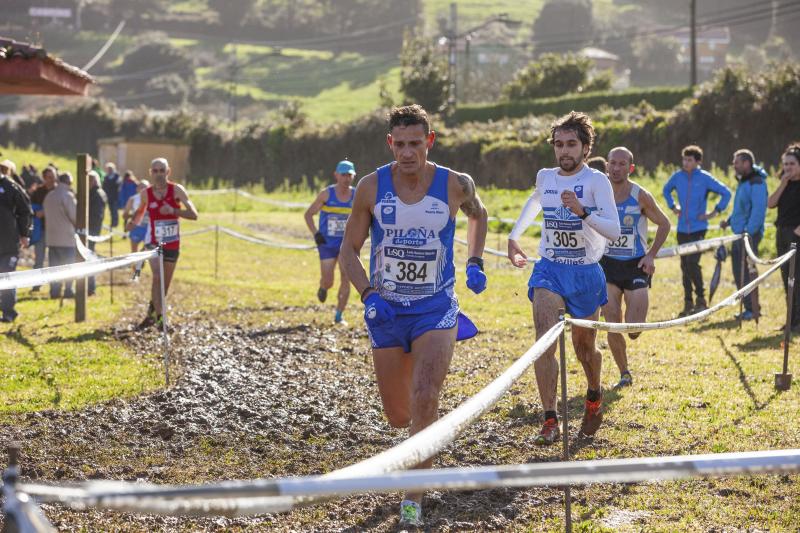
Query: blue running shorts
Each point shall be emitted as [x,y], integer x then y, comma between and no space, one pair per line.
[138,233]
[407,326]
[583,287]
[329,250]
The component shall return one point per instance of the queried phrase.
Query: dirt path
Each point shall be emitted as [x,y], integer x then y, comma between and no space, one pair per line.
[273,400]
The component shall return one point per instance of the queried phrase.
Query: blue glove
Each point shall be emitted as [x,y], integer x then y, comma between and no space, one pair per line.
[377,311]
[476,278]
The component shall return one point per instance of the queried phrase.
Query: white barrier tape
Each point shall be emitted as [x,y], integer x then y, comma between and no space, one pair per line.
[99,238]
[696,246]
[435,437]
[86,253]
[486,249]
[31,278]
[197,231]
[755,259]
[240,498]
[274,244]
[621,327]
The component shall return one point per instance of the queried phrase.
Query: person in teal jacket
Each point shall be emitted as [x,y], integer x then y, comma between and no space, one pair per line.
[692,185]
[749,212]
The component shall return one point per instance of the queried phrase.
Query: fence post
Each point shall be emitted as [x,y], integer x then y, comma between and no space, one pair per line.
[742,267]
[564,420]
[216,250]
[20,514]
[783,381]
[164,312]
[111,272]
[81,228]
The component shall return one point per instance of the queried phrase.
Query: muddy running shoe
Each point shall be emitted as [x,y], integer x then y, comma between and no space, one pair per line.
[410,515]
[592,416]
[549,434]
[322,294]
[148,321]
[625,380]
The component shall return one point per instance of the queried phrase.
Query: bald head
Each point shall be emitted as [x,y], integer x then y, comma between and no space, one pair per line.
[620,164]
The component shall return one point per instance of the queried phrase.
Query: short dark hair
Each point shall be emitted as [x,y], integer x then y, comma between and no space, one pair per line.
[65,177]
[578,122]
[598,162]
[793,150]
[409,115]
[694,151]
[746,155]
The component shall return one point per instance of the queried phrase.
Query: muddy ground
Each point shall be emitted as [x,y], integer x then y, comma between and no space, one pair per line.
[276,398]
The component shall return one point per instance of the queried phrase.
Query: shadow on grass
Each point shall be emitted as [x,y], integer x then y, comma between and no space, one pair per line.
[773,341]
[730,323]
[43,373]
[743,377]
[97,334]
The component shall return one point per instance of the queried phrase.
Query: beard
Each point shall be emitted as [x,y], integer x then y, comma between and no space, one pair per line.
[567,164]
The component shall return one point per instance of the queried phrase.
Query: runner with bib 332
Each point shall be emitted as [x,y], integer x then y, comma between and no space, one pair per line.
[579,216]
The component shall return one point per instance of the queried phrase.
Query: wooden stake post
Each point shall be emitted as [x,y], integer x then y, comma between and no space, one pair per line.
[82,228]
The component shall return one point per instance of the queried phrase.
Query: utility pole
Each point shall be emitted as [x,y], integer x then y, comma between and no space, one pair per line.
[452,51]
[465,89]
[693,39]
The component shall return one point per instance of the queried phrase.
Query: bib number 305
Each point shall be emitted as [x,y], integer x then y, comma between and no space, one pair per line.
[565,239]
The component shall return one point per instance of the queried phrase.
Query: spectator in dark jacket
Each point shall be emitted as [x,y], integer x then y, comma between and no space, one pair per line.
[49,176]
[127,189]
[97,208]
[786,198]
[749,211]
[15,221]
[111,185]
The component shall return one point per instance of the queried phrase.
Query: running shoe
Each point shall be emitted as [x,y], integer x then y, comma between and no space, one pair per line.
[701,305]
[592,416]
[625,380]
[410,515]
[322,294]
[549,434]
[148,321]
[745,316]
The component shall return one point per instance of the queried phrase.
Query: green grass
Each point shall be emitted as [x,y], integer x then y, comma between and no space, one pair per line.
[27,156]
[703,388]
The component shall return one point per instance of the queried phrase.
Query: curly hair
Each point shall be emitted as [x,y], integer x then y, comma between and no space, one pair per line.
[409,115]
[793,150]
[578,122]
[693,151]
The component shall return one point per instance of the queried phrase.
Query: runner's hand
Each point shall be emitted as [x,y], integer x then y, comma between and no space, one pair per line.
[377,311]
[571,202]
[319,238]
[476,278]
[516,255]
[648,265]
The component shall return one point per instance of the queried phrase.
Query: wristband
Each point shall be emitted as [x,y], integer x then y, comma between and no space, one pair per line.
[475,261]
[584,215]
[365,292]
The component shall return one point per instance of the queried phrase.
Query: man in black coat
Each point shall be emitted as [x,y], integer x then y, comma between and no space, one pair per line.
[97,209]
[15,222]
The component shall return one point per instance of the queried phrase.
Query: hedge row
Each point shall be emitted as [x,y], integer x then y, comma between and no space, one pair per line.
[736,110]
[660,98]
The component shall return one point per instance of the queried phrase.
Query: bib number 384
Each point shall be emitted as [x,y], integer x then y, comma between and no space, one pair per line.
[409,271]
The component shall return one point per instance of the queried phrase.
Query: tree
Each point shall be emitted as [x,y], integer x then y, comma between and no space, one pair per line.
[232,13]
[424,75]
[563,25]
[657,61]
[550,75]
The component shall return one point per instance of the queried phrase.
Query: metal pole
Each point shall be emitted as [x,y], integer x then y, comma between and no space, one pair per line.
[20,514]
[564,421]
[164,312]
[111,272]
[81,228]
[693,43]
[742,267]
[216,250]
[783,381]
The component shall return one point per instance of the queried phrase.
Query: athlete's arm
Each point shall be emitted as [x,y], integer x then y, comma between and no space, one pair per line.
[529,212]
[604,220]
[182,196]
[313,209]
[355,233]
[655,214]
[477,216]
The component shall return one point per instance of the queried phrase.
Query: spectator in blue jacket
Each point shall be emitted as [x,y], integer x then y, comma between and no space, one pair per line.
[127,189]
[749,212]
[692,185]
